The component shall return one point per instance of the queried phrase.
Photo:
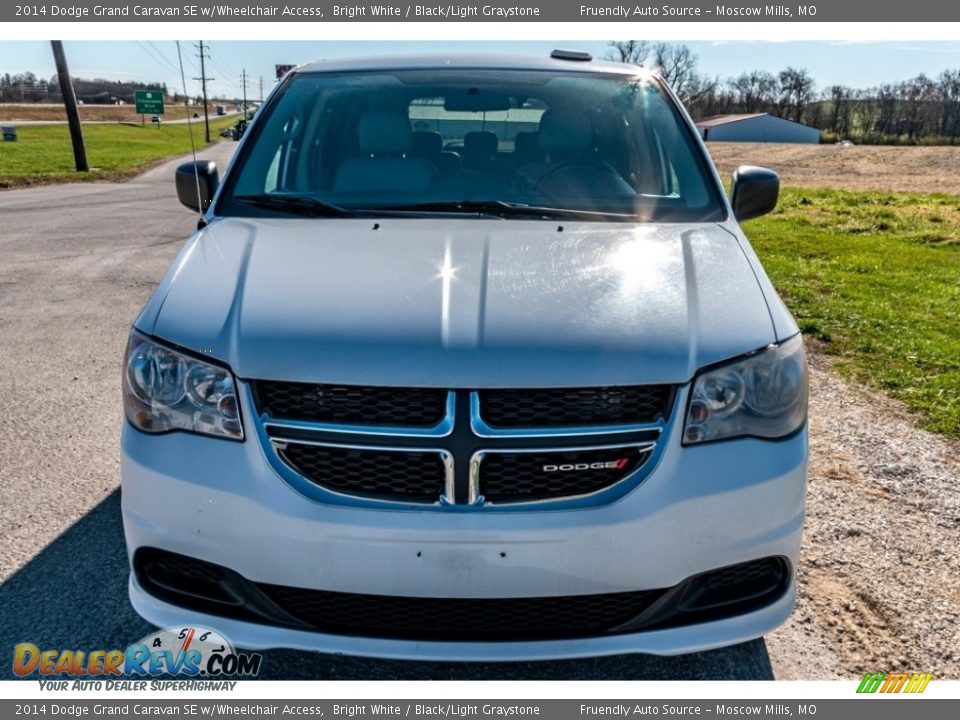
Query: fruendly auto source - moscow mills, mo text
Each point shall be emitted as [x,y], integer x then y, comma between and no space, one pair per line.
[689,12]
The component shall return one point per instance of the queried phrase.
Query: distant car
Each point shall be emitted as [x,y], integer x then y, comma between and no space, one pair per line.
[156,119]
[227,133]
[845,143]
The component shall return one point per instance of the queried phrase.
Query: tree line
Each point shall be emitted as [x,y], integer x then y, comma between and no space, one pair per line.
[28,88]
[922,110]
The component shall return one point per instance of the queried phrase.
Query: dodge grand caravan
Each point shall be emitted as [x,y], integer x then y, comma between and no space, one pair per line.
[468,359]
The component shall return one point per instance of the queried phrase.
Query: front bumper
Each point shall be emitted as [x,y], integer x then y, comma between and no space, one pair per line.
[672,641]
[702,508]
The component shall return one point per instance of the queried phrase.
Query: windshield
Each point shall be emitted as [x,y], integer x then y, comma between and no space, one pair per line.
[506,143]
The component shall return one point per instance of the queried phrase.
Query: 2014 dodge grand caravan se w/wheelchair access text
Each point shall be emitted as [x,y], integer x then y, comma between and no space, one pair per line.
[468,360]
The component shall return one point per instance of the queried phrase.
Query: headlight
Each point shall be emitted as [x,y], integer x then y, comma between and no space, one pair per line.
[763,395]
[166,390]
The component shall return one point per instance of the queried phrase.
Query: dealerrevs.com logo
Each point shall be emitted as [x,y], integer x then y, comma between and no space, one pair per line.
[193,652]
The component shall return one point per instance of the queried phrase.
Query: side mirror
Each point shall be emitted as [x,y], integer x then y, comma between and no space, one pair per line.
[754,191]
[189,175]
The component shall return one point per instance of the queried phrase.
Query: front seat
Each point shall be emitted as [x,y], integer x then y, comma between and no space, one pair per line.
[572,167]
[479,151]
[385,167]
[428,145]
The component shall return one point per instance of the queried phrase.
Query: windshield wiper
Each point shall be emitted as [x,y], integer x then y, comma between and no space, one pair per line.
[297,204]
[497,208]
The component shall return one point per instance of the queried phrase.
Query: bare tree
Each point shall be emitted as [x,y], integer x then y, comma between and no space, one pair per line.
[796,90]
[841,108]
[886,109]
[755,91]
[918,103]
[633,52]
[949,85]
[713,100]
[676,64]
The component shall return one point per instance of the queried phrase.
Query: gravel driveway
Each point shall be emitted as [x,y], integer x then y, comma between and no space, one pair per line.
[880,566]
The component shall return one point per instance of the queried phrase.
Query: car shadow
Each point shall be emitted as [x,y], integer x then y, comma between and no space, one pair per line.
[73,594]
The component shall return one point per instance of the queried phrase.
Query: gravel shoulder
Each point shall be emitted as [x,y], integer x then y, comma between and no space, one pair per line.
[880,565]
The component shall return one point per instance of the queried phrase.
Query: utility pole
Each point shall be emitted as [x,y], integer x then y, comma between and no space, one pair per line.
[70,103]
[261,89]
[243,76]
[203,83]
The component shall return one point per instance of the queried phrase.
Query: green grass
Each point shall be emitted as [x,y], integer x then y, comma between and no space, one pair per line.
[876,278]
[43,153]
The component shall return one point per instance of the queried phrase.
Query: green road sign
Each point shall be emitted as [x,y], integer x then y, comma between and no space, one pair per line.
[149,102]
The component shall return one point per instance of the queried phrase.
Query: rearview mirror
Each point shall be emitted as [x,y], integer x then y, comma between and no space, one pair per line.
[754,192]
[196,184]
[476,100]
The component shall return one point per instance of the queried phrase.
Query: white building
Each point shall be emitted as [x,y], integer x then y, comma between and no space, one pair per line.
[756,127]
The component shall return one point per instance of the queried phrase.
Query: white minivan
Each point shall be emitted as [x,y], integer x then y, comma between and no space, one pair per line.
[468,359]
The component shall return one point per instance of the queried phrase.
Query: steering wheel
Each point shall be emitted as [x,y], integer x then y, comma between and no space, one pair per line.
[551,171]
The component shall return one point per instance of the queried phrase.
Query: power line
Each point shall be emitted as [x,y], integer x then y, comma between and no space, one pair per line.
[203,83]
[231,81]
[244,75]
[219,65]
[163,55]
[156,58]
[227,86]
[193,63]
[215,64]
[227,77]
[157,55]
[193,147]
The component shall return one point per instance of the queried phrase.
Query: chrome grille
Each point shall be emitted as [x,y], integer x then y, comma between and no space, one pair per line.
[415,476]
[353,404]
[458,458]
[558,407]
[512,476]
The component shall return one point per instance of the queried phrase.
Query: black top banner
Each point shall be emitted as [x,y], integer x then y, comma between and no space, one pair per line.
[571,11]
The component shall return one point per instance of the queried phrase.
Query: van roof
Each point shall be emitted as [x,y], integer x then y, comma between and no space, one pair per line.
[447,61]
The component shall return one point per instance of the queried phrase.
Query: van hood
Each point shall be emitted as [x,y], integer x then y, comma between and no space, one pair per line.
[461,303]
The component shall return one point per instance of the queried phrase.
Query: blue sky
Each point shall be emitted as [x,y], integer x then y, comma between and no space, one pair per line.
[856,64]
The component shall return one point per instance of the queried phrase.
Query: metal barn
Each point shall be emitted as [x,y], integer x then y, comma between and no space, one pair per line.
[757,127]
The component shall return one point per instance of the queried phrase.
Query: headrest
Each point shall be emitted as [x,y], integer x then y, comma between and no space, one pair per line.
[426,143]
[526,144]
[384,132]
[565,132]
[480,143]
